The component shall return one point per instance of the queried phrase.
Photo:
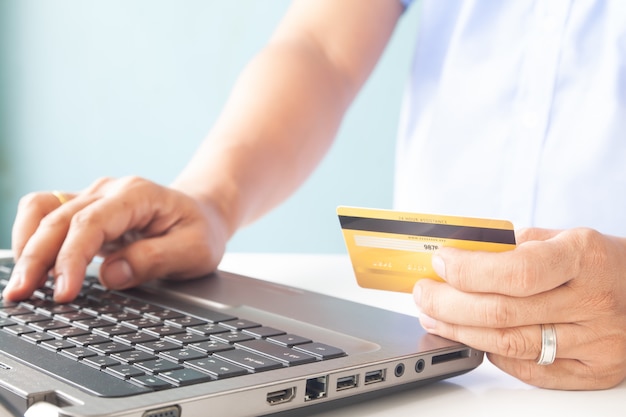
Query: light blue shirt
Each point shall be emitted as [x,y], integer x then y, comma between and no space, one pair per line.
[517,110]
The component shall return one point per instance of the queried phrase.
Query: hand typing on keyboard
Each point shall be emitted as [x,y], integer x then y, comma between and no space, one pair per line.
[143,231]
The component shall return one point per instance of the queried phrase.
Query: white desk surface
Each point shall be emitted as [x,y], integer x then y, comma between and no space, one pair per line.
[486,391]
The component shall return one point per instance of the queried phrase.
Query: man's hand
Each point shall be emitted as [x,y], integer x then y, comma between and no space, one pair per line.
[143,231]
[496,302]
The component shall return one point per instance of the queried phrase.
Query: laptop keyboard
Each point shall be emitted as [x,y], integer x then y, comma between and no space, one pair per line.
[106,337]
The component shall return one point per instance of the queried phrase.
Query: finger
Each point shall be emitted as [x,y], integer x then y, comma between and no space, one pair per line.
[104,220]
[531,268]
[523,342]
[38,254]
[160,257]
[560,305]
[569,374]
[32,208]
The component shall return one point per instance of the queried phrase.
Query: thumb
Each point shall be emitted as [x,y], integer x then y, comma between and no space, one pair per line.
[153,258]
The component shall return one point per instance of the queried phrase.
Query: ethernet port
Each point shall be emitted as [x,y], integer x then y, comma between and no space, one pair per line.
[316,388]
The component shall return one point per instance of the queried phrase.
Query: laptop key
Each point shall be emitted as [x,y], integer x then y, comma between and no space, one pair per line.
[289,340]
[49,325]
[110,348]
[67,332]
[263,332]
[211,346]
[249,360]
[232,337]
[187,338]
[152,382]
[279,353]
[185,376]
[88,340]
[124,371]
[208,329]
[136,338]
[30,318]
[320,350]
[37,337]
[57,344]
[184,354]
[132,356]
[100,362]
[18,329]
[159,365]
[158,346]
[184,321]
[5,322]
[78,353]
[116,330]
[218,368]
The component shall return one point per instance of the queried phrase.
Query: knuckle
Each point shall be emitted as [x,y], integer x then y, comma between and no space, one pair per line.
[133,181]
[523,234]
[97,186]
[511,343]
[588,241]
[29,200]
[528,278]
[53,221]
[500,313]
[84,219]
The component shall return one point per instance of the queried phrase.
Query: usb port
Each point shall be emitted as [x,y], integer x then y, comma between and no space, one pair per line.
[373,377]
[347,382]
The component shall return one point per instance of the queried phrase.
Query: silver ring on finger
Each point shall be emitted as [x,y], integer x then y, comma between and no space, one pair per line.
[548,345]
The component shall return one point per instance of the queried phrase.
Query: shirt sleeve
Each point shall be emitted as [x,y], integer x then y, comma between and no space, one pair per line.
[407,3]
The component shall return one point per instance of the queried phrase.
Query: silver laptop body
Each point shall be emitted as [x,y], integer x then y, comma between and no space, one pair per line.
[383,351]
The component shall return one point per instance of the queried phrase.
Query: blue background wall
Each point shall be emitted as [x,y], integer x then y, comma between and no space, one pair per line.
[117,87]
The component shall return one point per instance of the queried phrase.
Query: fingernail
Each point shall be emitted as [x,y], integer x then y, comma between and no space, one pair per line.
[14,282]
[60,286]
[117,274]
[439,266]
[427,322]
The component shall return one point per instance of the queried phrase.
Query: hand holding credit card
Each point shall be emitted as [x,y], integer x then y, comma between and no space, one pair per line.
[391,250]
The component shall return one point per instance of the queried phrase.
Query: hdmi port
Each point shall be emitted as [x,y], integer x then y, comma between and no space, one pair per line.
[281,396]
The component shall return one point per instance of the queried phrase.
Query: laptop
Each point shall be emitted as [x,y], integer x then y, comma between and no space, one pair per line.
[228,343]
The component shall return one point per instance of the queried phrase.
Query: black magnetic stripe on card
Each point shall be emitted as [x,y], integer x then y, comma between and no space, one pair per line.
[444,231]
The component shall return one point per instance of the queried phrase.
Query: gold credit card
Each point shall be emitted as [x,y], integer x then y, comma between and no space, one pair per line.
[391,250]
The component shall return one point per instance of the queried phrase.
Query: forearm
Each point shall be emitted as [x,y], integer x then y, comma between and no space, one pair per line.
[277,124]
[282,115]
